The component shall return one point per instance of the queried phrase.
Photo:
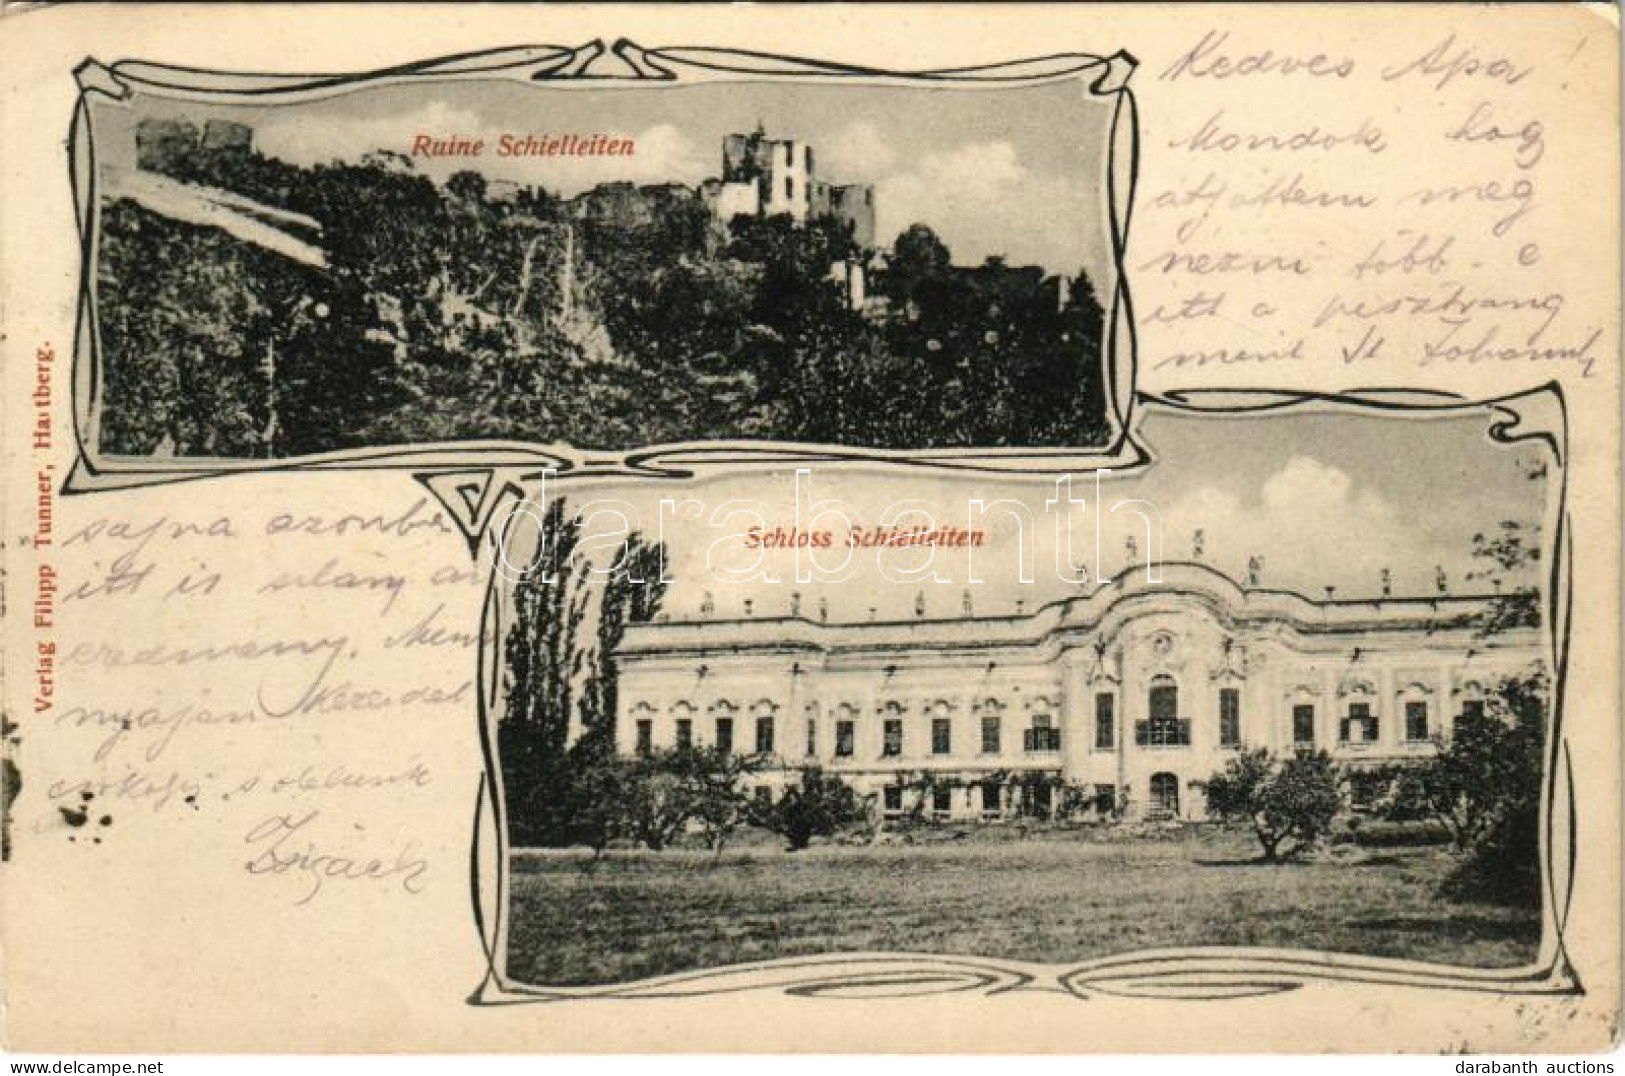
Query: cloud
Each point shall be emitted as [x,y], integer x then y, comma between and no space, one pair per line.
[349,138]
[968,180]
[855,153]
[666,154]
[983,200]
[1312,522]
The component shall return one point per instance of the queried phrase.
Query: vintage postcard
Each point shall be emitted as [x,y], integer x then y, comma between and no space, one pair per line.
[811,529]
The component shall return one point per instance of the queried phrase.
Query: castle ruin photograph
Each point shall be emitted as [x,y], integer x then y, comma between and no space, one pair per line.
[899,268]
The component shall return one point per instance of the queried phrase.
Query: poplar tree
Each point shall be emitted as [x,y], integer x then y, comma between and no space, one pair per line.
[543,659]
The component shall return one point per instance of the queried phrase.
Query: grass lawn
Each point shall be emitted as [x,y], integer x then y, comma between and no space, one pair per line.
[1065,899]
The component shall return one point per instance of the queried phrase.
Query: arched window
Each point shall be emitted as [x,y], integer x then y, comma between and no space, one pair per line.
[643,716]
[722,711]
[683,722]
[1164,698]
[1164,795]
[846,724]
[891,729]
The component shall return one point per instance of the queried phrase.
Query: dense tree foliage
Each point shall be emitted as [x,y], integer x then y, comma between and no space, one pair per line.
[555,737]
[624,316]
[1292,799]
[1483,786]
[819,806]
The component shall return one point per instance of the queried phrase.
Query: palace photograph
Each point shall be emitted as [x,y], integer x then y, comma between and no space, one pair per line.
[1298,701]
[858,266]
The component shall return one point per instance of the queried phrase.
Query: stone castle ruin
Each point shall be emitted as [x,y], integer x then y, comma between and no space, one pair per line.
[763,177]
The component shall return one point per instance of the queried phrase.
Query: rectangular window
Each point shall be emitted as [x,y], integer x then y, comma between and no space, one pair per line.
[1416,720]
[990,798]
[843,739]
[812,737]
[1163,732]
[685,732]
[763,794]
[789,187]
[646,736]
[893,732]
[1303,725]
[942,799]
[990,734]
[1105,721]
[1229,717]
[1041,737]
[893,798]
[764,735]
[725,735]
[1105,798]
[942,735]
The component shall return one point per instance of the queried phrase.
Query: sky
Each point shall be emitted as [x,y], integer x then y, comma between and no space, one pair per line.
[1011,171]
[1326,499]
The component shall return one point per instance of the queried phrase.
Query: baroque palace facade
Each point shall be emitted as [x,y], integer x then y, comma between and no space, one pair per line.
[1137,691]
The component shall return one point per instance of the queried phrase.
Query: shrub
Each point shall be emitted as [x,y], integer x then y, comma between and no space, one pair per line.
[817,807]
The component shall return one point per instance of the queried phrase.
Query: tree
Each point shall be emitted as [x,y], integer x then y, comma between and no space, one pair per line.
[817,807]
[1487,764]
[632,593]
[651,799]
[554,681]
[1292,799]
[1484,787]
[917,254]
[1504,557]
[1485,783]
[542,665]
[596,803]
[469,186]
[721,805]
[659,797]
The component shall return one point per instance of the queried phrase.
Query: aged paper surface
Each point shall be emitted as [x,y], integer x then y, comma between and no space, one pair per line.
[1134,488]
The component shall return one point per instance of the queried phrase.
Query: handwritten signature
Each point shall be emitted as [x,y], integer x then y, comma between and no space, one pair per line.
[285,845]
